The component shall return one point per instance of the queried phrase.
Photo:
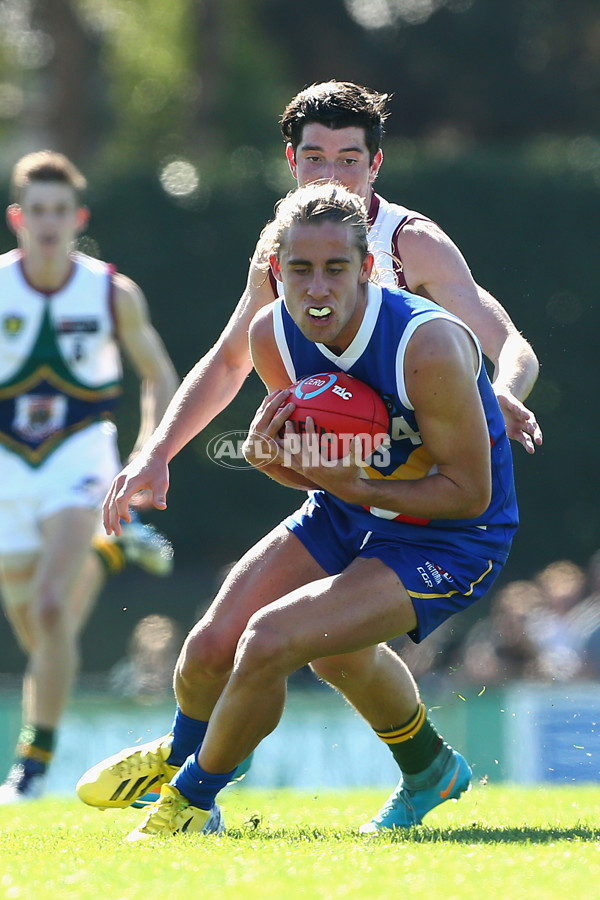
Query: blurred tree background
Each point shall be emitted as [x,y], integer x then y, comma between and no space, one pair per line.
[171,109]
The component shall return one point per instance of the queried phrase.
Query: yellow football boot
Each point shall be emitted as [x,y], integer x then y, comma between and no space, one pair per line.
[119,780]
[173,814]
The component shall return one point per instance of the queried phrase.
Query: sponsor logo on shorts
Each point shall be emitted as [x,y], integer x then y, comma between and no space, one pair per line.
[432,574]
[424,575]
[443,573]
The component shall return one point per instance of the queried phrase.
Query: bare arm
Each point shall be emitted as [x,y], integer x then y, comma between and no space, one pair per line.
[146,352]
[207,389]
[435,268]
[440,374]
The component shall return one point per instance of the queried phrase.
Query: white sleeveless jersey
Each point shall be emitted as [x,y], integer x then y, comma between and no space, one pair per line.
[60,366]
[387,219]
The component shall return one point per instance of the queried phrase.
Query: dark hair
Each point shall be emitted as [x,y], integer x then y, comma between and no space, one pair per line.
[336,104]
[312,205]
[45,165]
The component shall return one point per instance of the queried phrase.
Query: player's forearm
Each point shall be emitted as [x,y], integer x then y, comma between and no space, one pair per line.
[287,477]
[205,392]
[434,497]
[155,396]
[516,369]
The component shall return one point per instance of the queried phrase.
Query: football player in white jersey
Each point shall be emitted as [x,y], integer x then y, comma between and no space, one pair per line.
[64,317]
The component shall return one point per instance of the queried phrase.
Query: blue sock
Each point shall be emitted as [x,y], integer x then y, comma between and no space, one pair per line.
[33,766]
[188,735]
[198,786]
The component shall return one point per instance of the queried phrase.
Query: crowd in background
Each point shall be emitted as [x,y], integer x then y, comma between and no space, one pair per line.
[545,629]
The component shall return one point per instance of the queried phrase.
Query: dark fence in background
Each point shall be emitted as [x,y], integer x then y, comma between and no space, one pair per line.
[530,234]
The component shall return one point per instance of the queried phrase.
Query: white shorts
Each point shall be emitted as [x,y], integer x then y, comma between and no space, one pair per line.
[78,473]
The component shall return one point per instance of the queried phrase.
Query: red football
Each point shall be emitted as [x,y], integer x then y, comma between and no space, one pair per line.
[341,407]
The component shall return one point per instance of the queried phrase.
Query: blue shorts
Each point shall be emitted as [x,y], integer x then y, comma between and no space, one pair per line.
[440,579]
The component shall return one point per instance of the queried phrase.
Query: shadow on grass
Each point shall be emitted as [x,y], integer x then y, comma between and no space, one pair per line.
[482,834]
[467,834]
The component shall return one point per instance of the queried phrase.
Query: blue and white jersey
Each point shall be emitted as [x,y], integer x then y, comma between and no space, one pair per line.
[376,356]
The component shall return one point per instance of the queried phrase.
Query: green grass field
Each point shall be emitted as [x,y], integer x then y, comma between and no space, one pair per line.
[497,842]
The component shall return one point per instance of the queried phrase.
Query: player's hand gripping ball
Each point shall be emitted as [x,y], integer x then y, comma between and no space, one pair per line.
[342,407]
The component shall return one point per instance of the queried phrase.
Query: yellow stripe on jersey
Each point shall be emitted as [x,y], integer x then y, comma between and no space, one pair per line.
[418,464]
[46,373]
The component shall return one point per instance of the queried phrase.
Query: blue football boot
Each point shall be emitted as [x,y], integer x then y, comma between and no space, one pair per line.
[448,776]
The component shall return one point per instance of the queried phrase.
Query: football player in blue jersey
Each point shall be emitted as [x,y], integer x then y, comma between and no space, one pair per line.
[332,130]
[371,555]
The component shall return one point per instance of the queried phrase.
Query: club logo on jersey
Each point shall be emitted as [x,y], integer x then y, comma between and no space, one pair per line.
[12,324]
[37,416]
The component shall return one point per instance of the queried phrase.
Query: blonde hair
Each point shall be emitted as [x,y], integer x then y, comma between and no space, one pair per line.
[311,205]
